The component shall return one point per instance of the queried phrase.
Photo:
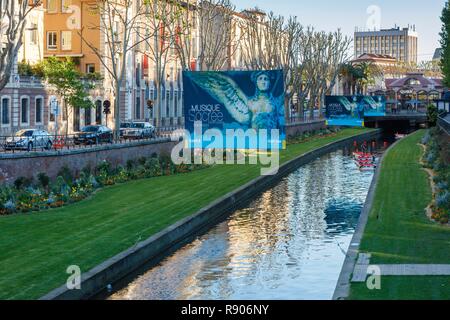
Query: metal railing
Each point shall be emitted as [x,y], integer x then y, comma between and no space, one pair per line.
[307,117]
[49,143]
[444,122]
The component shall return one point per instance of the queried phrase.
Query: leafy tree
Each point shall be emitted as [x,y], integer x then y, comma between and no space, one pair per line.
[445,43]
[68,83]
[365,74]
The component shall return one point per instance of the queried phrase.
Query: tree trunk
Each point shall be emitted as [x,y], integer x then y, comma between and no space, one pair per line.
[117,111]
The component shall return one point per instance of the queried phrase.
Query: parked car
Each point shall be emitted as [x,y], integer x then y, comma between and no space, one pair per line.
[29,139]
[93,135]
[139,130]
[123,127]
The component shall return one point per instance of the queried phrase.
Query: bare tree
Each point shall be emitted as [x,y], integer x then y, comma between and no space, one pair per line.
[215,18]
[337,53]
[324,55]
[274,43]
[160,37]
[120,21]
[13,16]
[185,32]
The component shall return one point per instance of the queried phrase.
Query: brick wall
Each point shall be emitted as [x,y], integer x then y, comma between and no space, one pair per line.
[13,166]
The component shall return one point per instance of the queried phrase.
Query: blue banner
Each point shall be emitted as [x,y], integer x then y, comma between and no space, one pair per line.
[239,101]
[351,110]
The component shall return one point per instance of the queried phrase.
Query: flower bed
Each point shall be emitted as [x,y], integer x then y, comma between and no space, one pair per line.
[27,195]
[437,159]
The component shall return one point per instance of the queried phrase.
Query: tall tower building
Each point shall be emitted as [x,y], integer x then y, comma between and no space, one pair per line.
[398,43]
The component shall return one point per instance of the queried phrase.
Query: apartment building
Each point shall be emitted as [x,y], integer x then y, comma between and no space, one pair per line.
[23,100]
[398,43]
[57,28]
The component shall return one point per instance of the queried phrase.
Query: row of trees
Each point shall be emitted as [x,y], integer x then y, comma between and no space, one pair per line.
[211,31]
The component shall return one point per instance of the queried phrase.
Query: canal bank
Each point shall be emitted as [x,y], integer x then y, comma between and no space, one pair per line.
[342,290]
[398,232]
[158,246]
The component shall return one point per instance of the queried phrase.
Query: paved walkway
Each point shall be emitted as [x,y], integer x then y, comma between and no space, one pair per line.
[363,268]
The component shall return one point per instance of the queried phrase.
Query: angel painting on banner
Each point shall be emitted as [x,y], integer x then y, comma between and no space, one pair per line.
[261,109]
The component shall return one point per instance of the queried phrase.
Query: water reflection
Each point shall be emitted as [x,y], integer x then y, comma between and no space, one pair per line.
[289,243]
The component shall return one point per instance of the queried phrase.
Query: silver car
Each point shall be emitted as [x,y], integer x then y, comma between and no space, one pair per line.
[29,139]
[139,130]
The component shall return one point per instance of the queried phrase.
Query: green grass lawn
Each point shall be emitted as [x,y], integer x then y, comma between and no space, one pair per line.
[398,230]
[36,249]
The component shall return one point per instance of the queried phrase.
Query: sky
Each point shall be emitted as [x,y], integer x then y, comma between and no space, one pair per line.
[330,15]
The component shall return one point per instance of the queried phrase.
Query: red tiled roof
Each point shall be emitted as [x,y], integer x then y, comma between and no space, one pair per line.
[425,83]
[373,56]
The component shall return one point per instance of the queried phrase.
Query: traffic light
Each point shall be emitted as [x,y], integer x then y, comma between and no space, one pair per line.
[106,107]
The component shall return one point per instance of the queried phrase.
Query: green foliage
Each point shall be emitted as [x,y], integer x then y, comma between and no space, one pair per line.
[432,115]
[22,182]
[445,43]
[26,69]
[94,76]
[43,179]
[63,74]
[66,174]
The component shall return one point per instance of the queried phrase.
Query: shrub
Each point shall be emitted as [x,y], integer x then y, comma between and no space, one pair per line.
[432,114]
[66,174]
[443,200]
[142,161]
[10,205]
[121,175]
[442,185]
[22,182]
[87,170]
[426,138]
[153,166]
[24,69]
[104,168]
[60,187]
[130,165]
[43,179]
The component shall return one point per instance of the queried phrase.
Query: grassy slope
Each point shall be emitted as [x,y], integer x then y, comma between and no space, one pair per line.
[37,248]
[398,230]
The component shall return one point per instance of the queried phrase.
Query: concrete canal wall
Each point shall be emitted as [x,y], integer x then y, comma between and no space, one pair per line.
[160,245]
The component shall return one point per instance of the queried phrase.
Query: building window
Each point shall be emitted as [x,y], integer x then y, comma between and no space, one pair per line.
[168,104]
[98,112]
[51,40]
[137,108]
[33,33]
[76,119]
[90,68]
[5,111]
[175,104]
[66,40]
[65,6]
[87,116]
[24,110]
[51,6]
[38,110]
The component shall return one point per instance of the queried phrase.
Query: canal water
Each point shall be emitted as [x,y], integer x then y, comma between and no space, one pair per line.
[289,243]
